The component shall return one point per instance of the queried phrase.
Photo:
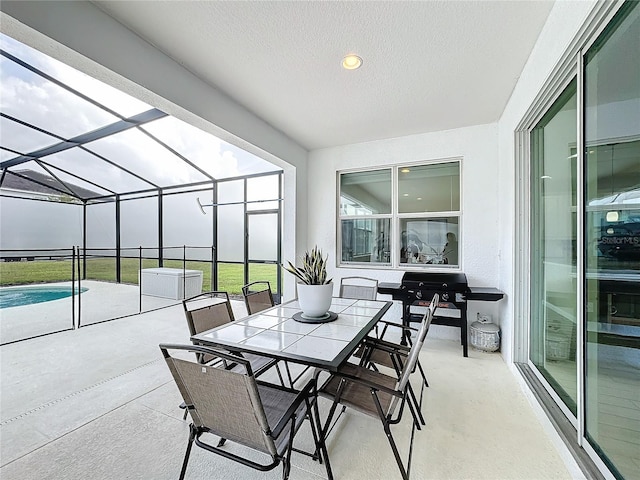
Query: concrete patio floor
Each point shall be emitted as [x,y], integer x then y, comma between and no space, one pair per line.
[100,403]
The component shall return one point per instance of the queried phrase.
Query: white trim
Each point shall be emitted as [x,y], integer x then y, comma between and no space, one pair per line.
[580,282]
[552,393]
[604,469]
[396,217]
[595,23]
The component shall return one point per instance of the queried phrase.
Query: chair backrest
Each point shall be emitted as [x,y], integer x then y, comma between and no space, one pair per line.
[414,353]
[225,402]
[257,296]
[207,310]
[361,288]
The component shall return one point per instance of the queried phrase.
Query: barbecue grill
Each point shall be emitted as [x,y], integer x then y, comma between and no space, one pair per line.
[418,288]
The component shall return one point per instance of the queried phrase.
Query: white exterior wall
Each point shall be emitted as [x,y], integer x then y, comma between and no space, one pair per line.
[477,146]
[565,20]
[488,178]
[488,170]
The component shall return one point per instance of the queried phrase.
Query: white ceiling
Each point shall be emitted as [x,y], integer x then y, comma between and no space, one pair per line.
[428,65]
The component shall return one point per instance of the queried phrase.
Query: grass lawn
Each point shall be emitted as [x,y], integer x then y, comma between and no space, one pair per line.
[230,276]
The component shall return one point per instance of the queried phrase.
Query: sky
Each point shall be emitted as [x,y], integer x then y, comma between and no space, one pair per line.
[31,98]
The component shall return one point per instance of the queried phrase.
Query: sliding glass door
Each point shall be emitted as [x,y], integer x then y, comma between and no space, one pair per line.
[612,243]
[584,330]
[553,244]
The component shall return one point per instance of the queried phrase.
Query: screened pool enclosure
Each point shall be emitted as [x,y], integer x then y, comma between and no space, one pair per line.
[96,186]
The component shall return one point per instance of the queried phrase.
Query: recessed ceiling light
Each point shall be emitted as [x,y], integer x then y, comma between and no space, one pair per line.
[419,198]
[405,170]
[405,194]
[351,62]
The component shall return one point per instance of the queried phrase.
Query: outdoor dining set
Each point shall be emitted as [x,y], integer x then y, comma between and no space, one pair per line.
[350,360]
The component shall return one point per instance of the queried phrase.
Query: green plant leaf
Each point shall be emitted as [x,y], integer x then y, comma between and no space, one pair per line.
[313,270]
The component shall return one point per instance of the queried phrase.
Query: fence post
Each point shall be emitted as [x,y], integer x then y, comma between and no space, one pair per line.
[214,270]
[184,272]
[73,285]
[140,280]
[79,287]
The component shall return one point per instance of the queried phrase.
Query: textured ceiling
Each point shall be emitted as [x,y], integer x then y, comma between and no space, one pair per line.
[428,66]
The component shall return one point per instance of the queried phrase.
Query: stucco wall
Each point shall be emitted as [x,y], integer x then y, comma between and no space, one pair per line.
[477,146]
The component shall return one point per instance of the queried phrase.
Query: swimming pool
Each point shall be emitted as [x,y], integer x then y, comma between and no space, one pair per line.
[17,296]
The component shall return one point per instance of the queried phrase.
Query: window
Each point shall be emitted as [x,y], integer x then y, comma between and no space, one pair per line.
[553,244]
[404,215]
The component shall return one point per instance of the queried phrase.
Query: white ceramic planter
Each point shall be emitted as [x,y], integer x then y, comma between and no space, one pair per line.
[315,300]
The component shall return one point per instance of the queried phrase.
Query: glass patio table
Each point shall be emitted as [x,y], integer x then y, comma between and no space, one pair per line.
[274,333]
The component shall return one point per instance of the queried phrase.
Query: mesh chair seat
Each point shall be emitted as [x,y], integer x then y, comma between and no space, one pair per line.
[259,363]
[358,395]
[276,402]
[380,352]
[387,359]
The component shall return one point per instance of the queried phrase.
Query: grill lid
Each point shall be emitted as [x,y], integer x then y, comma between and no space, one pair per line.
[451,282]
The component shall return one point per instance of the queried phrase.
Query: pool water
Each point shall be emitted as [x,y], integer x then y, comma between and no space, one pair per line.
[15,297]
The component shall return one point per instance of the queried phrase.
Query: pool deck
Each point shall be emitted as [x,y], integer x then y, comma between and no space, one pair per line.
[102,301]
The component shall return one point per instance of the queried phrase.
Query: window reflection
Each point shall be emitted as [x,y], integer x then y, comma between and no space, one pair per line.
[614,215]
[429,188]
[365,193]
[432,241]
[366,240]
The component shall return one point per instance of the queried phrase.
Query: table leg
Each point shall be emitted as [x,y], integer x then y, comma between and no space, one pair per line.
[406,317]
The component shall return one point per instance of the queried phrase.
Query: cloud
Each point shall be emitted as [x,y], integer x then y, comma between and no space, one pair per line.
[31,98]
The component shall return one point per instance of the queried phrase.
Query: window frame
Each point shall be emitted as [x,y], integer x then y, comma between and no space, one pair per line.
[396,218]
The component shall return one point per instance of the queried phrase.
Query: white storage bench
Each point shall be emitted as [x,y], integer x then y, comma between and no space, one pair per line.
[174,283]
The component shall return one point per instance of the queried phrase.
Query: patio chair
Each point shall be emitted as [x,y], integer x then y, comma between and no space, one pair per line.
[210,310]
[257,296]
[379,352]
[360,288]
[378,395]
[236,407]
[392,355]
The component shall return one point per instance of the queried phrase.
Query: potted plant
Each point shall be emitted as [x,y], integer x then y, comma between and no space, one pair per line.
[314,289]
